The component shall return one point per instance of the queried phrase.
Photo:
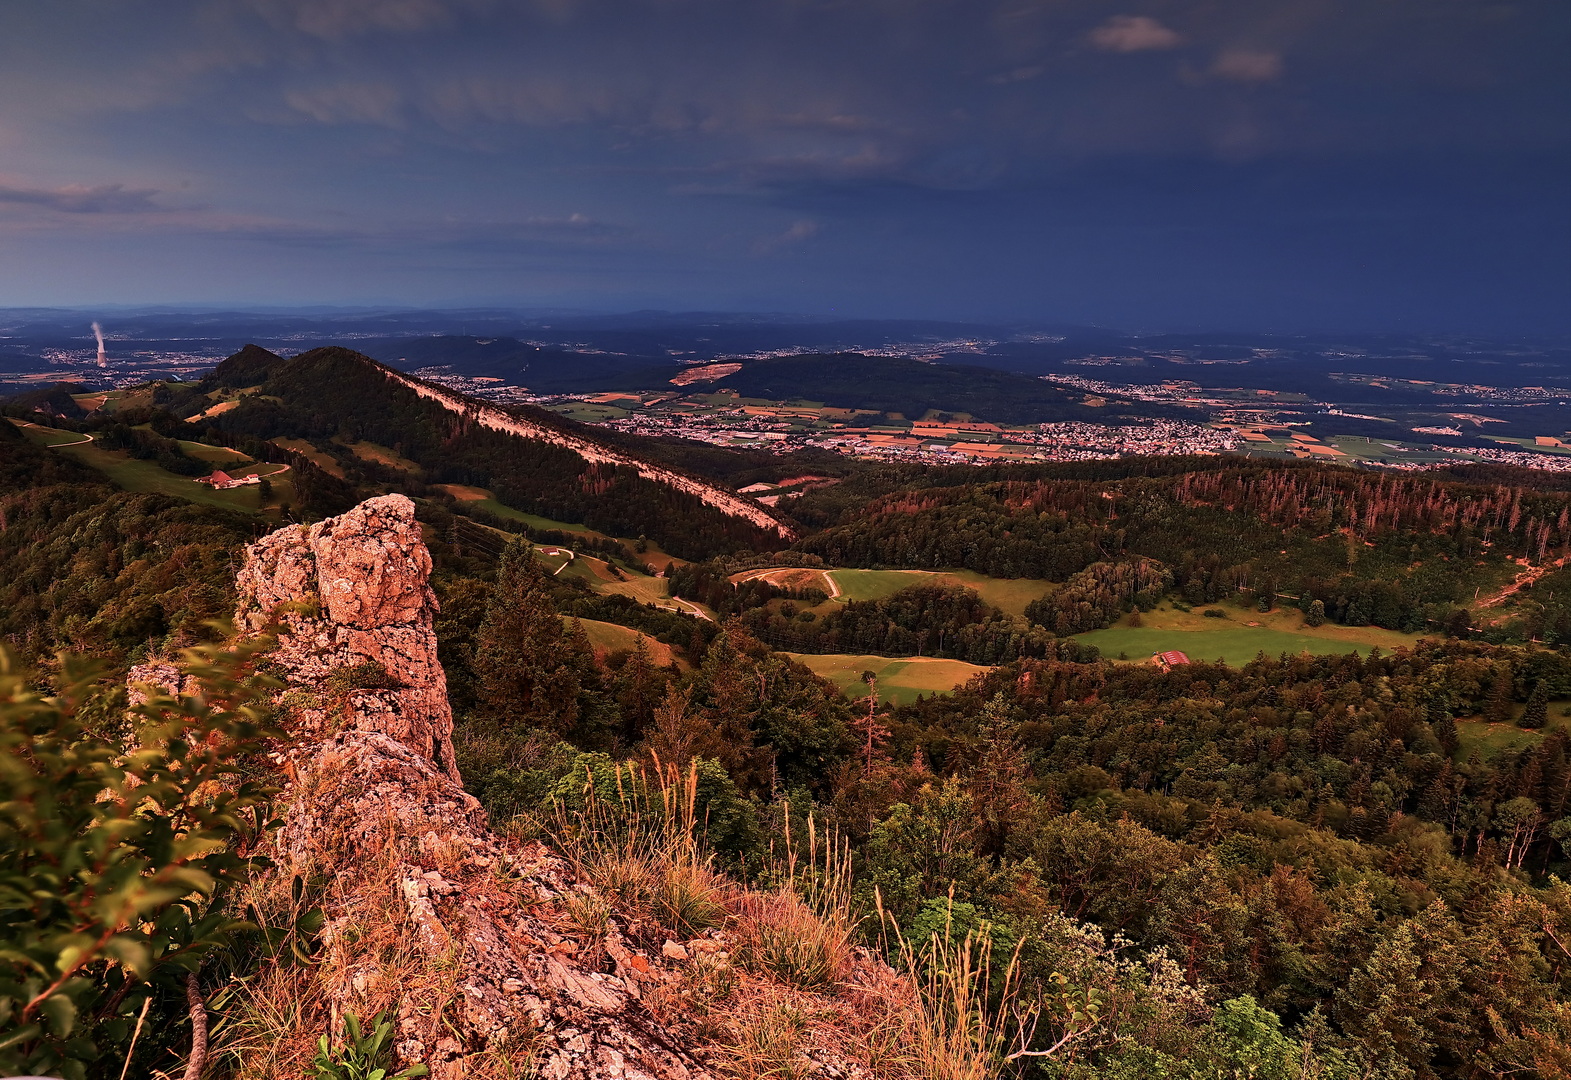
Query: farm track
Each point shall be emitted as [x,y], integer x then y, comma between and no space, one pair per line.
[754,575]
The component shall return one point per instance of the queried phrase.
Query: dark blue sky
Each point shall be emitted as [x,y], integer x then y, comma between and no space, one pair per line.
[1283,164]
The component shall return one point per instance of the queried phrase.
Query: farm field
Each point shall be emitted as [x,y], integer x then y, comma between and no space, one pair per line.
[1233,639]
[134,474]
[221,456]
[1010,595]
[483,498]
[608,637]
[651,556]
[901,681]
[381,455]
[47,436]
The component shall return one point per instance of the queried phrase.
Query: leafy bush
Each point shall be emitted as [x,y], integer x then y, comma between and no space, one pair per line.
[115,855]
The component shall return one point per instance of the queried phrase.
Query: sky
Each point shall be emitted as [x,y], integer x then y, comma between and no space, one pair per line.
[1170,164]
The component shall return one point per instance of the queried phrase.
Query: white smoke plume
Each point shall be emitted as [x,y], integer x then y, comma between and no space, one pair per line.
[103,357]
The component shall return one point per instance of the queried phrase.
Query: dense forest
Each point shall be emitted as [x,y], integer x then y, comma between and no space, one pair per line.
[1405,553]
[1306,837]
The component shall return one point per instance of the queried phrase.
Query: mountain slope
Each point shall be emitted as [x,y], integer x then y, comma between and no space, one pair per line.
[534,460]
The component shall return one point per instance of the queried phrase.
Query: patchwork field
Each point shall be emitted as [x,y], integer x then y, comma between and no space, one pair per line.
[900,681]
[1238,638]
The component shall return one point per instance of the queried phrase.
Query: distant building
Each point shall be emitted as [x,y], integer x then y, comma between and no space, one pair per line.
[1170,659]
[220,480]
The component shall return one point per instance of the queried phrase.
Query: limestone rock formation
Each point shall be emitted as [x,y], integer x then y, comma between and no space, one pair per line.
[427,912]
[351,599]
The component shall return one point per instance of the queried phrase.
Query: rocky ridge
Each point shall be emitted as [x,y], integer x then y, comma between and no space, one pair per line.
[425,910]
[490,416]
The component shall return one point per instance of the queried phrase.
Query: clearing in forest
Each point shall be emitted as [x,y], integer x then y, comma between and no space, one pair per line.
[1238,638]
[1010,595]
[900,680]
[609,637]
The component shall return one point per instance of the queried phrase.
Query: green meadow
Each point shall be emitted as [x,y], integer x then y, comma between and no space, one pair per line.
[1007,594]
[901,681]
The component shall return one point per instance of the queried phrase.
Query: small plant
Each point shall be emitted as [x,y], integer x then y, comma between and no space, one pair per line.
[365,1054]
[116,855]
[684,897]
[1214,613]
[371,675]
[768,1047]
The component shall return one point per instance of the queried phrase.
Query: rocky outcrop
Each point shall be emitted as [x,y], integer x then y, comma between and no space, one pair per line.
[351,603]
[470,940]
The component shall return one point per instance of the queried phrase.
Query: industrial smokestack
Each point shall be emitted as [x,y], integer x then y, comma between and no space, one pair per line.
[103,357]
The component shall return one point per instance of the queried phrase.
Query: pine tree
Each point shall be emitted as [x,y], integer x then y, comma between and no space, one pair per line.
[528,666]
[1497,706]
[1536,714]
[1316,615]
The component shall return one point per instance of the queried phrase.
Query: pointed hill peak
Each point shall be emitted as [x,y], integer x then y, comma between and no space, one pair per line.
[248,367]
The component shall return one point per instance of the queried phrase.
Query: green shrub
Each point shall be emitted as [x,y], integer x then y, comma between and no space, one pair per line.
[115,856]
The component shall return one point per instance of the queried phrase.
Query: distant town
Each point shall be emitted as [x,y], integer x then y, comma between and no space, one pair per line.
[1226,421]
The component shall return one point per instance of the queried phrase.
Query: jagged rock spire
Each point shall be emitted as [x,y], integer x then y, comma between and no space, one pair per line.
[354,606]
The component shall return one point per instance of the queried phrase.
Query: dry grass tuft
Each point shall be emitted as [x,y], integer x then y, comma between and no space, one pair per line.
[770,1045]
[779,935]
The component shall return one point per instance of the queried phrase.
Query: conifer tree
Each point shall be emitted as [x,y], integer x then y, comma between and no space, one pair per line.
[1497,706]
[1536,714]
[1316,615]
[529,667]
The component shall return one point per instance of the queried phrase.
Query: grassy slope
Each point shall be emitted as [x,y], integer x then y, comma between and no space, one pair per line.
[608,637]
[1233,639]
[899,680]
[382,455]
[220,456]
[1008,594]
[319,458]
[133,474]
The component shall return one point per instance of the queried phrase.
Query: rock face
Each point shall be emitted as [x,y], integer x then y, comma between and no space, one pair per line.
[354,609]
[469,940]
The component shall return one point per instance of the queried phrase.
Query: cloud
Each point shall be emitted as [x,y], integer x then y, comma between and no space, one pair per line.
[78,199]
[1247,65]
[349,103]
[337,19]
[799,232]
[1134,33]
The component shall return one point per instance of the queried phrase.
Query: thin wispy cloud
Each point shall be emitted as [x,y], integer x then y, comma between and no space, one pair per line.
[1134,33]
[82,199]
[1248,65]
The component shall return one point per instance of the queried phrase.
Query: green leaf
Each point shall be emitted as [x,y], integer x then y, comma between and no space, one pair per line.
[60,1011]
